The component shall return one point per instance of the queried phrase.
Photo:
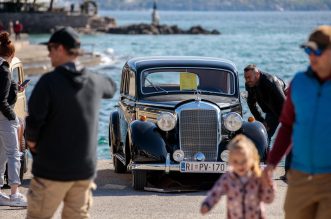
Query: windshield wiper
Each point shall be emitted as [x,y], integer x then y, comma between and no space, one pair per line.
[156,87]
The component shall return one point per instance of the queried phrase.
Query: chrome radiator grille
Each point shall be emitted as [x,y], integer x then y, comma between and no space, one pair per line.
[198,133]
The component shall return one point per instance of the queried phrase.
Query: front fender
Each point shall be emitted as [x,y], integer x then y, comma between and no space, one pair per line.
[147,144]
[258,134]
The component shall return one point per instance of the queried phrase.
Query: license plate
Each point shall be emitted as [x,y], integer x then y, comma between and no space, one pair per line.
[203,167]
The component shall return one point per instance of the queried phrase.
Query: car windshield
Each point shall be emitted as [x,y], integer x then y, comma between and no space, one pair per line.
[187,80]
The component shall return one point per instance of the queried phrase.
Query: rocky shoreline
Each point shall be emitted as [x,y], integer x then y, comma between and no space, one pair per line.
[150,29]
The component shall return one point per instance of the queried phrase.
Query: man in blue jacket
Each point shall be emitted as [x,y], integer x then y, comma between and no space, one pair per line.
[61,131]
[305,124]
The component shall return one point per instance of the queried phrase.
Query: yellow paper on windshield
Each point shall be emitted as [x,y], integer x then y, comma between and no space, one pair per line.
[188,81]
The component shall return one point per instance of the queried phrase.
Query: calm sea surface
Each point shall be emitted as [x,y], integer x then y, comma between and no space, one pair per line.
[269,39]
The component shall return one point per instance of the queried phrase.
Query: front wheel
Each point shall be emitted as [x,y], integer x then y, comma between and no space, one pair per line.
[139,179]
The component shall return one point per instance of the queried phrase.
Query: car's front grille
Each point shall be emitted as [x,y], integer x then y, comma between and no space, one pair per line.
[198,133]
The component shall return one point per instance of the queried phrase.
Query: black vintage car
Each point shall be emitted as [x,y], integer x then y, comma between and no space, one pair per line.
[178,114]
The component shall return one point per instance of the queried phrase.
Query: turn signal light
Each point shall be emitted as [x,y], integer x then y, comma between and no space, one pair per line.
[143,118]
[251,119]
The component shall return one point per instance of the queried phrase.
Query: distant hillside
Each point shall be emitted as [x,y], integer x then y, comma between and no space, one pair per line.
[232,5]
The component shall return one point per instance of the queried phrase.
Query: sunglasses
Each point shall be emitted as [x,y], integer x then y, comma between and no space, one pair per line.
[51,46]
[310,51]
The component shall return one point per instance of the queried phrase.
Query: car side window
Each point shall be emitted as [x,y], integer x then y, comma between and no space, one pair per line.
[132,84]
[16,75]
[124,82]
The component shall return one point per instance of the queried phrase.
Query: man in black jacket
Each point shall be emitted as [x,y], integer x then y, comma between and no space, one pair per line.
[61,131]
[267,91]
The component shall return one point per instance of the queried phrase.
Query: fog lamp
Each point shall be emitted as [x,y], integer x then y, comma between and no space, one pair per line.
[225,155]
[178,155]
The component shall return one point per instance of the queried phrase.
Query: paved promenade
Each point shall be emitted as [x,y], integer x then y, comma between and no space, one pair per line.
[114,198]
[36,61]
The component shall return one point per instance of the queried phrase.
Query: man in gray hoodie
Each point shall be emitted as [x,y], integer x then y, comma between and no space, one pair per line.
[61,131]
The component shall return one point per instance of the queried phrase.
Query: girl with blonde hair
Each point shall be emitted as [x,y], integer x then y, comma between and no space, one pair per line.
[242,183]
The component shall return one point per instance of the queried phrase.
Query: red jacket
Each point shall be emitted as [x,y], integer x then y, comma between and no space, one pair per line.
[18,28]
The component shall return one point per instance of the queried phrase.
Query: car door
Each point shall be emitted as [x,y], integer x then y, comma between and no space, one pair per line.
[127,112]
[18,76]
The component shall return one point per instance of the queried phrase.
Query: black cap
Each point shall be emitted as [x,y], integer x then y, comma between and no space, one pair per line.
[67,37]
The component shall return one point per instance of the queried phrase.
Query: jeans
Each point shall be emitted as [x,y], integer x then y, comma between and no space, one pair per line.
[9,150]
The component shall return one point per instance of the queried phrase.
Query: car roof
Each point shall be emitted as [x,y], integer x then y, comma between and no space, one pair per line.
[141,63]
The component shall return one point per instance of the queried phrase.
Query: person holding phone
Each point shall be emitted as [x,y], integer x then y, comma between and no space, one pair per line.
[9,144]
[21,87]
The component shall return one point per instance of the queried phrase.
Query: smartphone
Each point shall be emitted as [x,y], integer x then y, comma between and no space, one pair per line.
[26,82]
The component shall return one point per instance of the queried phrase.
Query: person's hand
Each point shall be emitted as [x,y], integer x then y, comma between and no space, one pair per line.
[32,146]
[267,175]
[21,88]
[204,209]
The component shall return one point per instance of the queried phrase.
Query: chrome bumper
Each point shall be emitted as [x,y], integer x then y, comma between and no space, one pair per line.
[166,167]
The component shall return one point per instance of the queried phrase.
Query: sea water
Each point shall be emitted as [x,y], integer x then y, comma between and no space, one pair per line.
[268,39]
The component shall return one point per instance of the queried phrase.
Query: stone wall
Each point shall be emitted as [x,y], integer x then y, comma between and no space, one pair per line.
[44,22]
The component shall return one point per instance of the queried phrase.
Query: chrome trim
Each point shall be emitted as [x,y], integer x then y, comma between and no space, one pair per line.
[171,107]
[201,105]
[157,166]
[157,104]
[163,167]
[184,58]
[167,164]
[219,69]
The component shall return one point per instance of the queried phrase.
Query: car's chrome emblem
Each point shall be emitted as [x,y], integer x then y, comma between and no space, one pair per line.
[197,95]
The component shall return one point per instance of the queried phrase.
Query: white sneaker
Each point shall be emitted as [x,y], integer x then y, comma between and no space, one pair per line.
[18,200]
[4,199]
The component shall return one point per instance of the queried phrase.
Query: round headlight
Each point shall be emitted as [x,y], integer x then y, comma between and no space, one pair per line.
[232,121]
[166,121]
[225,155]
[178,155]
